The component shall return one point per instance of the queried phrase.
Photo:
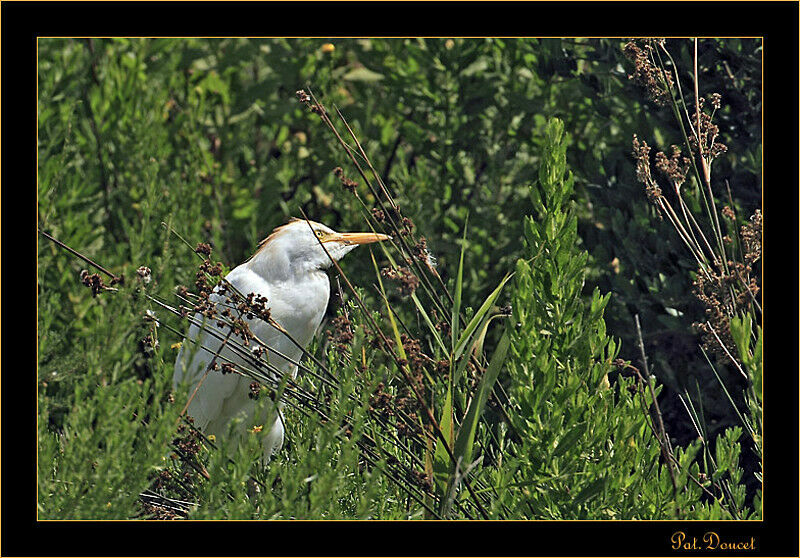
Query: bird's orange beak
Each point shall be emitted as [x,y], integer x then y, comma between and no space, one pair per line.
[357,238]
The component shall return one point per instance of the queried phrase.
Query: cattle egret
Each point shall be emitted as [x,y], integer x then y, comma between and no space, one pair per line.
[289,270]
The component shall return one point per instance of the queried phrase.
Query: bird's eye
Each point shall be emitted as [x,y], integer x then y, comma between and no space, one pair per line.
[319,233]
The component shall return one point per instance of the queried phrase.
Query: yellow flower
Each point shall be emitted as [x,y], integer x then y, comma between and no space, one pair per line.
[257,429]
[176,345]
[328,47]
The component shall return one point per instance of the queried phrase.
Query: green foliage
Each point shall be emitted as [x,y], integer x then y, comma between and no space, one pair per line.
[584,440]
[95,464]
[205,137]
[321,475]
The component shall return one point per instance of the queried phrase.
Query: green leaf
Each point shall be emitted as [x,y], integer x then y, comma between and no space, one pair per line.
[457,293]
[570,438]
[362,74]
[442,469]
[395,330]
[591,491]
[466,433]
[476,319]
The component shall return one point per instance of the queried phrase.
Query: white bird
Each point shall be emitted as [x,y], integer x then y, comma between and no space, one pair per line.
[289,270]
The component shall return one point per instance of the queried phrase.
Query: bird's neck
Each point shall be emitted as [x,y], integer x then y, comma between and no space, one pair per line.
[274,266]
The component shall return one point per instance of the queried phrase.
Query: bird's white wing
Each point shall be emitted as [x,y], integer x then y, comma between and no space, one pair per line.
[192,367]
[220,397]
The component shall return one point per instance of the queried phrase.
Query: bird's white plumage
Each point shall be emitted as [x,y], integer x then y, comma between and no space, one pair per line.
[289,270]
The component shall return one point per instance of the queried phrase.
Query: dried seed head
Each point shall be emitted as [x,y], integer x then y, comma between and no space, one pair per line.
[656,81]
[728,213]
[408,281]
[203,249]
[675,167]
[145,274]
[347,184]
[378,214]
[255,390]
[342,334]
[92,281]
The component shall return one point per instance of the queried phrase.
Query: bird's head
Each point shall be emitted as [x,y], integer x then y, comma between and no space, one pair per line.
[301,245]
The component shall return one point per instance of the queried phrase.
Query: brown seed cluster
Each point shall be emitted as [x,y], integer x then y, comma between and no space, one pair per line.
[255,390]
[443,368]
[656,81]
[347,184]
[201,285]
[421,252]
[416,358]
[188,441]
[203,249]
[728,213]
[161,513]
[725,293]
[255,306]
[674,167]
[405,225]
[376,341]
[420,249]
[179,479]
[305,98]
[403,408]
[641,153]
[421,479]
[709,147]
[715,295]
[242,330]
[93,281]
[215,270]
[441,325]
[408,226]
[410,427]
[342,334]
[380,402]
[378,214]
[205,306]
[751,238]
[408,281]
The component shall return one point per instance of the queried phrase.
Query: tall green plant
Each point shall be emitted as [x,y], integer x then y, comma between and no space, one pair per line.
[586,448]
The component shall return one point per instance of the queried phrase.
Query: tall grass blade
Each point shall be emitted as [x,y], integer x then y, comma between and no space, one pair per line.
[395,330]
[454,322]
[442,466]
[473,324]
[466,433]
